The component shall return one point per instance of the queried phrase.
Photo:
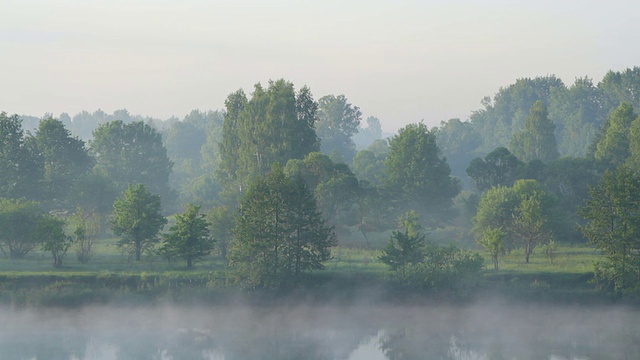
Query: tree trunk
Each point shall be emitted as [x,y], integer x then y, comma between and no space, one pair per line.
[189,262]
[138,251]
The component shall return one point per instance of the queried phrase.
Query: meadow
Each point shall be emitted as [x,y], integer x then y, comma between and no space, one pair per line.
[112,275]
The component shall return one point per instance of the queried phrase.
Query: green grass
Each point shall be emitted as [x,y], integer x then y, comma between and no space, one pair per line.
[114,274]
[577,259]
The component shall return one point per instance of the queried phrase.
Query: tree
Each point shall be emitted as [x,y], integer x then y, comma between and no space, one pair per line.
[95,193]
[333,184]
[18,226]
[338,121]
[132,154]
[137,218]
[529,224]
[274,126]
[64,157]
[366,136]
[537,141]
[459,142]
[633,160]
[492,241]
[418,176]
[50,232]
[20,167]
[578,113]
[612,212]
[279,232]
[613,145]
[504,115]
[189,238]
[523,211]
[221,226]
[86,227]
[367,166]
[499,167]
[402,250]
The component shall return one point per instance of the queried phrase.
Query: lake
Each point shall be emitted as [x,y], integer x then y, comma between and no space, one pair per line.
[491,330]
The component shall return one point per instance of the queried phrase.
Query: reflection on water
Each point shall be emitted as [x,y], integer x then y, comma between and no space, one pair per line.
[342,332]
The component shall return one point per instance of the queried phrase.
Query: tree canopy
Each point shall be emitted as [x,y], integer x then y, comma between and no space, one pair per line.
[132,154]
[418,175]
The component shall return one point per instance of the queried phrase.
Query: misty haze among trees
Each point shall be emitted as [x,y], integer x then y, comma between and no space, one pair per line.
[277,179]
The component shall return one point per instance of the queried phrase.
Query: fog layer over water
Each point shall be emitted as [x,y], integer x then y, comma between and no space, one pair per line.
[483,331]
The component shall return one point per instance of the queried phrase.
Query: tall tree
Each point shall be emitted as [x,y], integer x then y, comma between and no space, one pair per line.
[132,154]
[274,126]
[459,142]
[537,141]
[612,146]
[137,218]
[279,233]
[338,121]
[189,238]
[20,168]
[418,175]
[64,157]
[367,135]
[577,112]
[612,212]
[221,225]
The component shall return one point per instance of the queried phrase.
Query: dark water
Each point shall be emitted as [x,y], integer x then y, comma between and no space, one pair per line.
[366,332]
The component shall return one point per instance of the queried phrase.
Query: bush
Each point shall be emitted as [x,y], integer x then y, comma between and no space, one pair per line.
[446,269]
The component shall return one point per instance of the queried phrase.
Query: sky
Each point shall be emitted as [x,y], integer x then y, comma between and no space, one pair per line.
[403,61]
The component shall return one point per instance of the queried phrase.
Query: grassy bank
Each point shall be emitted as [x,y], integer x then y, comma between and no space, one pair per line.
[354,274]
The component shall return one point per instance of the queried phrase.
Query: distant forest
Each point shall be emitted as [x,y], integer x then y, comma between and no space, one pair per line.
[578,111]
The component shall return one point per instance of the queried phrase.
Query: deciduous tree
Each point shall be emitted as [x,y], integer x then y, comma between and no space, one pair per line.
[20,167]
[537,141]
[418,175]
[612,212]
[137,218]
[132,154]
[338,121]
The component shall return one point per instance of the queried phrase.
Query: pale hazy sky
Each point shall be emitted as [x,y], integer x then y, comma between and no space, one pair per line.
[401,61]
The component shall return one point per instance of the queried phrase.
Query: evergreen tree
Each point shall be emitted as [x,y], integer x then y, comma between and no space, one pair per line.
[279,233]
[189,238]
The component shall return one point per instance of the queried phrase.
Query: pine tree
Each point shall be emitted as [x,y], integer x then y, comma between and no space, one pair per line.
[189,238]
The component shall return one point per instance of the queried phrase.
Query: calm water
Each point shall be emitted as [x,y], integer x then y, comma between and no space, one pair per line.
[482,331]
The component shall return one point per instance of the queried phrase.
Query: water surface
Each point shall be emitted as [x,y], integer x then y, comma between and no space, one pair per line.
[480,331]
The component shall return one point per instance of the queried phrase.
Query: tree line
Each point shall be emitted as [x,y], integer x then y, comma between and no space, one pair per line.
[256,166]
